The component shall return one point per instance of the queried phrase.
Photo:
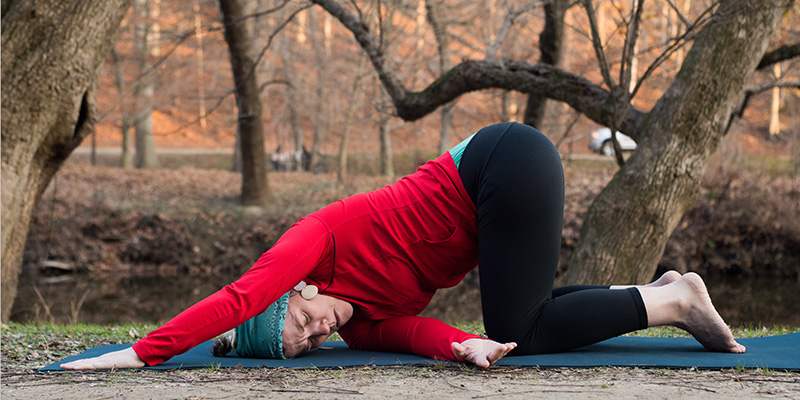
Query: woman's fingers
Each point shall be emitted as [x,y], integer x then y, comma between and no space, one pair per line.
[501,351]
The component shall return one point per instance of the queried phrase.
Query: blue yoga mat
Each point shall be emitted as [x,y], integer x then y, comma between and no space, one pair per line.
[775,352]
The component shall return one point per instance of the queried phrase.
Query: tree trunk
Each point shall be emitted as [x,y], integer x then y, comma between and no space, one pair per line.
[238,164]
[775,105]
[201,89]
[52,53]
[255,190]
[551,46]
[387,167]
[293,103]
[446,132]
[627,226]
[387,162]
[443,43]
[341,173]
[126,158]
[321,52]
[143,92]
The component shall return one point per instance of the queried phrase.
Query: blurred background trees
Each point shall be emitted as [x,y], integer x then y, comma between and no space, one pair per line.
[422,75]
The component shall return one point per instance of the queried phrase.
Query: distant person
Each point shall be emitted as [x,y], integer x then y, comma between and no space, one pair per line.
[279,159]
[366,266]
[306,159]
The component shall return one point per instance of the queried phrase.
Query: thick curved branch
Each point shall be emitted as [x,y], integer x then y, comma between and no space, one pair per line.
[781,53]
[471,75]
[537,79]
[369,44]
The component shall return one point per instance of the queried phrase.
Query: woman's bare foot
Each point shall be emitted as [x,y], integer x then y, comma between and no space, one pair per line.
[665,279]
[697,315]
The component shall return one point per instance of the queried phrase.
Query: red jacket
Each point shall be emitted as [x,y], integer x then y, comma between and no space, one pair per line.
[394,247]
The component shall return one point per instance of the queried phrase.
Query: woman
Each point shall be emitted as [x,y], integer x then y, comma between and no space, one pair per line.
[376,259]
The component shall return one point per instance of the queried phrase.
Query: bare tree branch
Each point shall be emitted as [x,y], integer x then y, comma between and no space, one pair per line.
[678,42]
[752,90]
[780,54]
[472,75]
[598,45]
[678,12]
[628,53]
[508,22]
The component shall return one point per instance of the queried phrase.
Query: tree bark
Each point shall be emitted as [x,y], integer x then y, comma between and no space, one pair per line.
[341,172]
[294,104]
[387,165]
[627,226]
[551,47]
[387,159]
[775,105]
[126,157]
[255,190]
[434,11]
[52,54]
[321,53]
[143,91]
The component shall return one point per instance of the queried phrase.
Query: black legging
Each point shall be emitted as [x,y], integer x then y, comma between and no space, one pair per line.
[513,174]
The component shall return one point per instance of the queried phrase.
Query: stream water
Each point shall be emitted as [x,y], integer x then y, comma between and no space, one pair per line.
[157,297]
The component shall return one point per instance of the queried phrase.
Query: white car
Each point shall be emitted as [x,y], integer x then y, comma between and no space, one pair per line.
[600,142]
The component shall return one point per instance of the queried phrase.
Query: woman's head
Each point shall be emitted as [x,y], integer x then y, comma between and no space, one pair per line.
[291,326]
[310,321]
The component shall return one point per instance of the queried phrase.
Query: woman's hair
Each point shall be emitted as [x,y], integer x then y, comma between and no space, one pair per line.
[224,344]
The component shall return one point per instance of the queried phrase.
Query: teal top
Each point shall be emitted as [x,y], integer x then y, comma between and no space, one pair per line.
[458,150]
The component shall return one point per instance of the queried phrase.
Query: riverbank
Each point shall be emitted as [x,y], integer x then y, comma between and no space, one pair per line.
[102,236]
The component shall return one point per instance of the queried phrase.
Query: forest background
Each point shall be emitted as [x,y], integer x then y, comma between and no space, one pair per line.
[168,85]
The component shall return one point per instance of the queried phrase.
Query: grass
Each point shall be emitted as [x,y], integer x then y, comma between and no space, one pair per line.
[23,343]
[46,343]
[772,166]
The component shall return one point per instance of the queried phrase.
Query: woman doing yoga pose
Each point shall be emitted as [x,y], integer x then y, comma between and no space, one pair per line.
[366,265]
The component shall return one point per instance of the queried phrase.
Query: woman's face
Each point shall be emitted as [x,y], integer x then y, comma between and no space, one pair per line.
[310,322]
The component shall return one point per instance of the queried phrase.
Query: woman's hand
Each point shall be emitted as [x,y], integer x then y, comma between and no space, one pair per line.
[126,358]
[482,352]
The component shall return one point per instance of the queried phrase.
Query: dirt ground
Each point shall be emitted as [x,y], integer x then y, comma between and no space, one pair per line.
[429,382]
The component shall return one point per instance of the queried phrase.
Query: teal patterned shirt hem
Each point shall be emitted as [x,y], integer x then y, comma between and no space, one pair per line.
[458,150]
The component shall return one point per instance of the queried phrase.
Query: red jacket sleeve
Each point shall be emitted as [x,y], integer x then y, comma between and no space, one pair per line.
[289,261]
[422,336]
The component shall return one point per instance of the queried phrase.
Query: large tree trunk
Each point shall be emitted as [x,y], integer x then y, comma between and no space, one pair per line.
[52,53]
[551,46]
[434,11]
[255,190]
[627,226]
